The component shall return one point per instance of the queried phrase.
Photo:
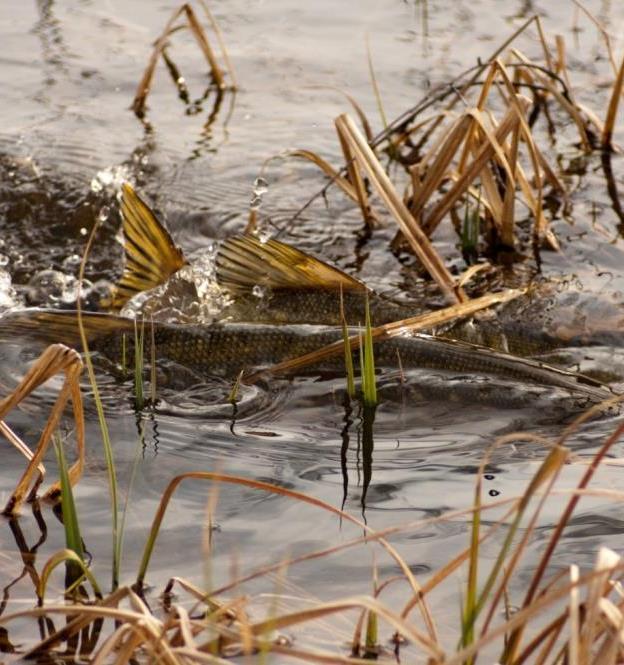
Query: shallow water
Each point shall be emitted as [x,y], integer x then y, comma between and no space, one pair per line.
[68,74]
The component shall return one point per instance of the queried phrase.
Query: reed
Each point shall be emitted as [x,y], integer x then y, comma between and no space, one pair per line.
[190,21]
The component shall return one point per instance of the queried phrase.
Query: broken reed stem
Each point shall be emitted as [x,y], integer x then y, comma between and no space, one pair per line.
[56,359]
[417,239]
[143,89]
[614,102]
[485,153]
[355,177]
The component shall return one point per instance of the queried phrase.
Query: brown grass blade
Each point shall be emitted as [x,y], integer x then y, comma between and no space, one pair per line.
[274,489]
[614,102]
[219,36]
[198,32]
[530,596]
[54,360]
[439,167]
[563,101]
[603,32]
[355,177]
[204,45]
[486,152]
[327,169]
[431,647]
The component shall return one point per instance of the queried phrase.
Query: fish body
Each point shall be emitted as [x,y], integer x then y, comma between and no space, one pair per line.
[226,350]
[269,283]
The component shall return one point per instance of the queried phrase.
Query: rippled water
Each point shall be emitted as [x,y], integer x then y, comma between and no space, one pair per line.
[69,72]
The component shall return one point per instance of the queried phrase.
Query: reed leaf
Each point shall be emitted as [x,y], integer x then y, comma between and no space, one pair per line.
[70,558]
[369,387]
[348,353]
[71,525]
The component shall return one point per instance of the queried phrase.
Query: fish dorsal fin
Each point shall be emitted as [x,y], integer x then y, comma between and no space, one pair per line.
[151,256]
[245,261]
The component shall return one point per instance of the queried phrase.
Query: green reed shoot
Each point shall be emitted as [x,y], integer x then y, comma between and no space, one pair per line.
[470,233]
[369,384]
[73,538]
[475,600]
[124,355]
[152,364]
[347,351]
[106,441]
[372,635]
[233,396]
[139,339]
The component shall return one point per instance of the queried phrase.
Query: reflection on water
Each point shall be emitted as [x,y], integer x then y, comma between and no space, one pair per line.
[197,158]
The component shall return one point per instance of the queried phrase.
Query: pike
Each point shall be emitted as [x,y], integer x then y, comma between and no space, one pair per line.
[298,283]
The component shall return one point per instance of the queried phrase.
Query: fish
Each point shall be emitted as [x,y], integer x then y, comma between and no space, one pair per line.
[245,337]
[226,350]
[272,282]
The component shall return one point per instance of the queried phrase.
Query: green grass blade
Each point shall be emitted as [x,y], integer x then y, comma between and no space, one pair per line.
[372,635]
[73,539]
[106,442]
[124,356]
[152,364]
[369,383]
[347,351]
[233,396]
[549,468]
[139,338]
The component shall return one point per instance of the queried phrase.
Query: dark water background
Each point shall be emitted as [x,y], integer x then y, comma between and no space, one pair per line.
[68,72]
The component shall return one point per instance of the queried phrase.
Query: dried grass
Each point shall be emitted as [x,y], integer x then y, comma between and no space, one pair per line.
[186,12]
[56,359]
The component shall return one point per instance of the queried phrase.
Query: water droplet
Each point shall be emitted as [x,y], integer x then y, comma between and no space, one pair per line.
[110,179]
[70,262]
[264,235]
[104,214]
[260,187]
[83,231]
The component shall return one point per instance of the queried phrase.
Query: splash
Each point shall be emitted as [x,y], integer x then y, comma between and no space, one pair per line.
[110,179]
[8,295]
[192,295]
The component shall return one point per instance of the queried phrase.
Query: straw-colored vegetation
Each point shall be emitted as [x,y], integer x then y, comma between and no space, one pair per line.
[561,617]
[484,158]
[190,21]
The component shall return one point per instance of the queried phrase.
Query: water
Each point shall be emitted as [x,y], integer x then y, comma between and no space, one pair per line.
[68,137]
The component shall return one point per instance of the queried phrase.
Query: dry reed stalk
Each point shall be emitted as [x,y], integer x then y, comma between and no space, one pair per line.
[56,359]
[487,150]
[355,177]
[565,102]
[346,187]
[602,30]
[460,93]
[614,102]
[414,235]
[198,32]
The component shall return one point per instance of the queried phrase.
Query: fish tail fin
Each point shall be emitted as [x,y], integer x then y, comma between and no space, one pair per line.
[245,261]
[151,256]
[61,326]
